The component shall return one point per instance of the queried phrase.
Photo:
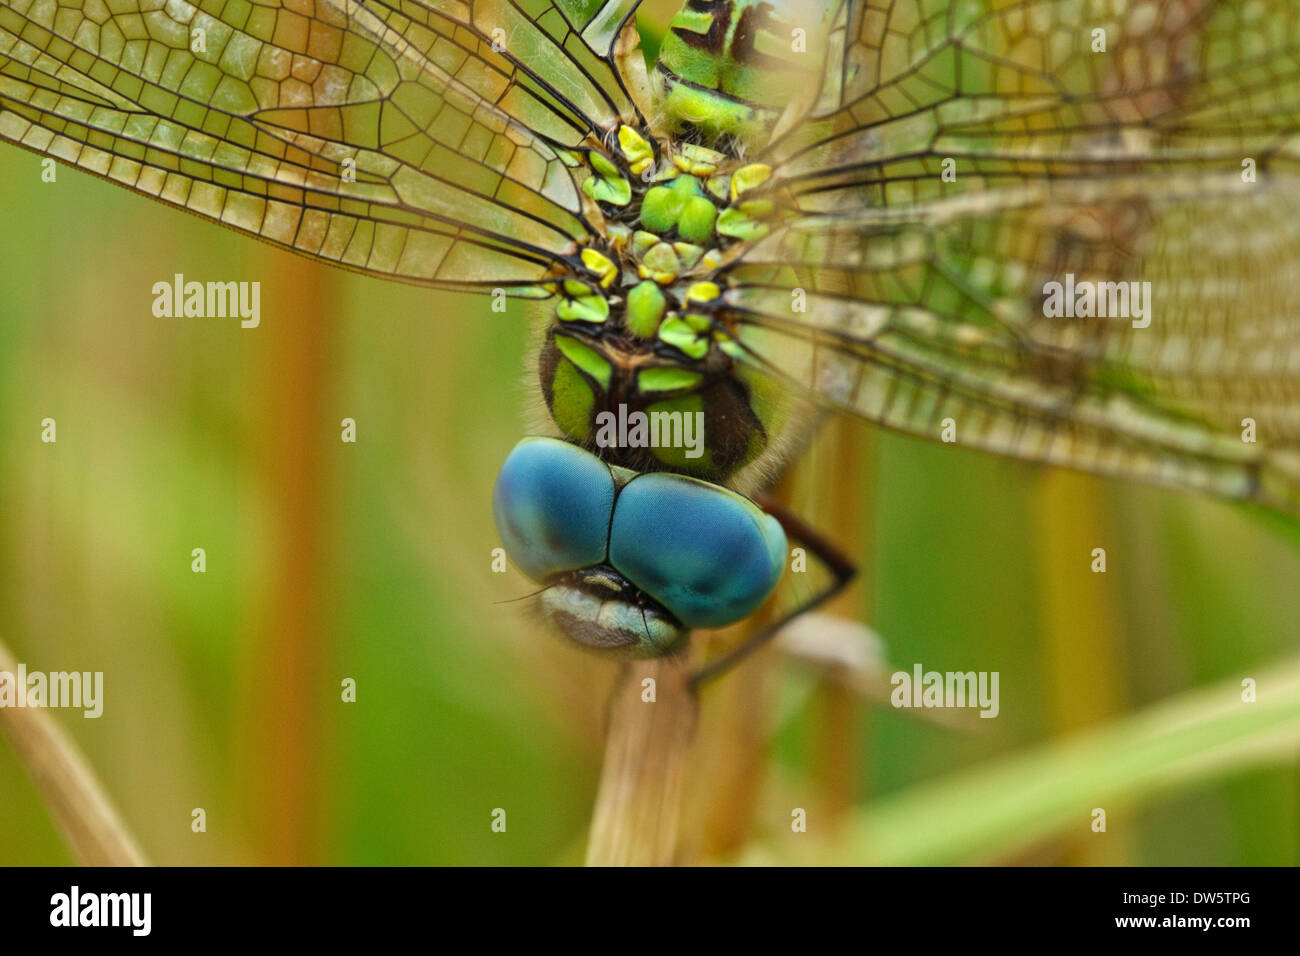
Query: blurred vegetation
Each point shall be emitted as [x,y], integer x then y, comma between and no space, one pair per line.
[328,560]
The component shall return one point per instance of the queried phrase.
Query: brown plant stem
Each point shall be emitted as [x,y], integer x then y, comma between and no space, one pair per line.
[638,802]
[841,718]
[76,799]
[282,732]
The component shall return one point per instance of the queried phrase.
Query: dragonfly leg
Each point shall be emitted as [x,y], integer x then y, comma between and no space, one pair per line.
[841,567]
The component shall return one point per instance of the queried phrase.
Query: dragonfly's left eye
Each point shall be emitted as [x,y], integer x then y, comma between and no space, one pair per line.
[552,503]
[709,555]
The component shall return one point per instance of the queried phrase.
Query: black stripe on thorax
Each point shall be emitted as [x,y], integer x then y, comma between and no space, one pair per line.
[715,40]
[752,20]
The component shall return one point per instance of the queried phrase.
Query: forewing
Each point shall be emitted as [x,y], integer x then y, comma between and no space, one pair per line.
[427,142]
[925,293]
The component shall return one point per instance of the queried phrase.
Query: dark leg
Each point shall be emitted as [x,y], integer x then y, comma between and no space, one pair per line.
[840,566]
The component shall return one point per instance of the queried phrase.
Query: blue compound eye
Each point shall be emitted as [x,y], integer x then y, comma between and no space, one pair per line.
[705,553]
[552,503]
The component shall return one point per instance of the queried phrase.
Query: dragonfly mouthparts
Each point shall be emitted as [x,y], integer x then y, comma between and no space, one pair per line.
[601,610]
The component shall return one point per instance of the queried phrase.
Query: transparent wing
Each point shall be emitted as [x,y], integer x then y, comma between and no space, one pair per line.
[422,141]
[1168,160]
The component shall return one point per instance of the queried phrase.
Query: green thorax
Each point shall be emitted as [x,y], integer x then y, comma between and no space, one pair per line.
[642,323]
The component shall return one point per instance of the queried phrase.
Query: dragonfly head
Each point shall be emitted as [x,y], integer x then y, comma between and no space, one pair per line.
[632,562]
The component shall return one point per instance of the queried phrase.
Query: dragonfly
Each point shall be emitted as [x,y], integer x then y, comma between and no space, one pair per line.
[1062,232]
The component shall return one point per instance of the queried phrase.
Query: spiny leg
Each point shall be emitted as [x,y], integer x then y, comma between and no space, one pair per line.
[840,566]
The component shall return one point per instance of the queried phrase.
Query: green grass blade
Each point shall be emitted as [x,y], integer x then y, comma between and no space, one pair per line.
[992,811]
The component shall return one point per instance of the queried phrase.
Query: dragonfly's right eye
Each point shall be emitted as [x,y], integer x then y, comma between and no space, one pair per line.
[707,554]
[553,503]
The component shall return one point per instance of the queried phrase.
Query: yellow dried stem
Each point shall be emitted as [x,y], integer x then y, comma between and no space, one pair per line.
[77,801]
[638,803]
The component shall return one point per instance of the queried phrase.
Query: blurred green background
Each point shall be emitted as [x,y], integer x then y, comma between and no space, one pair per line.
[371,560]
